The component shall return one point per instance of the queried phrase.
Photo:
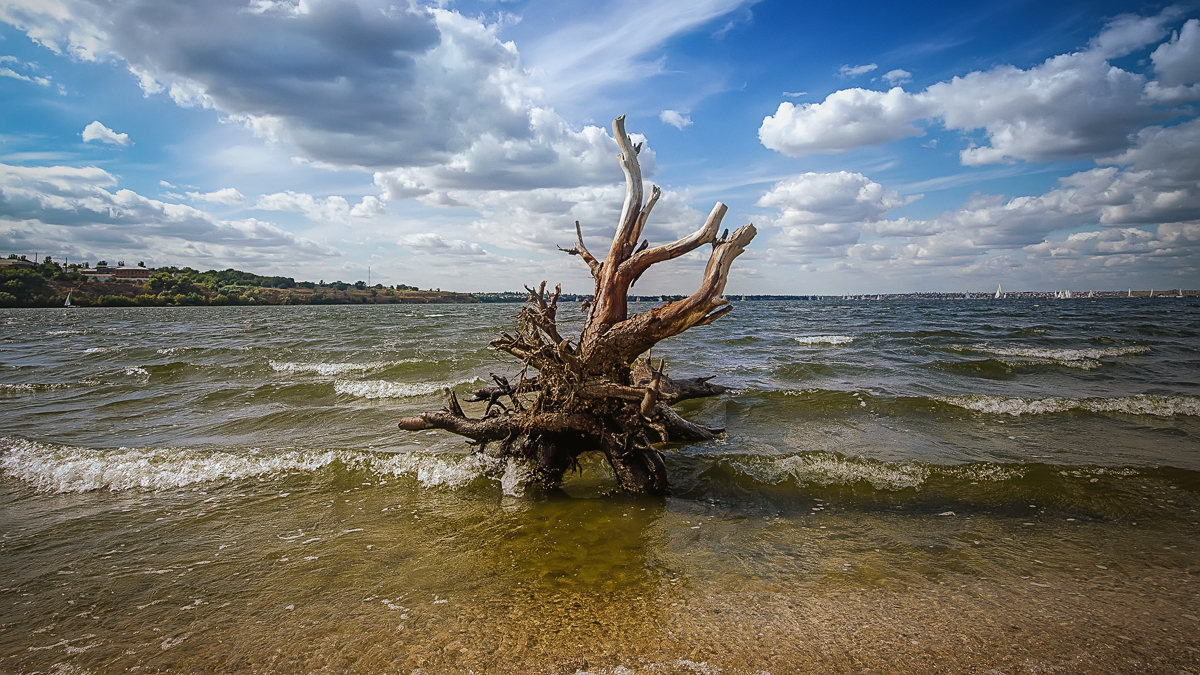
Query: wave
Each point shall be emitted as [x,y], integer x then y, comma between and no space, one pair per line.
[29,388]
[828,469]
[1143,404]
[811,340]
[1086,358]
[385,389]
[56,468]
[1094,491]
[326,369]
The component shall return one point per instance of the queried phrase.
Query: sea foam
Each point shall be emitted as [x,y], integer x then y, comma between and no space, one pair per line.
[326,369]
[1145,404]
[385,389]
[1085,359]
[813,340]
[28,388]
[55,468]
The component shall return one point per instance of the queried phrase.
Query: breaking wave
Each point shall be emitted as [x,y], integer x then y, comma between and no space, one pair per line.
[385,389]
[830,469]
[1085,359]
[813,340]
[1146,404]
[327,369]
[28,388]
[56,468]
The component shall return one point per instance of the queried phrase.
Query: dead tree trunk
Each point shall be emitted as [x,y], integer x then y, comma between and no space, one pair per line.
[594,393]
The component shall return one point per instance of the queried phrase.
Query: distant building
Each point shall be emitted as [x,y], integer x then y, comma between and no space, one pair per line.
[139,273]
[106,272]
[17,263]
[99,272]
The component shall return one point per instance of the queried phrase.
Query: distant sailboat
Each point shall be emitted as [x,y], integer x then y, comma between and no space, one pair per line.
[68,302]
[1130,293]
[1091,294]
[966,296]
[999,293]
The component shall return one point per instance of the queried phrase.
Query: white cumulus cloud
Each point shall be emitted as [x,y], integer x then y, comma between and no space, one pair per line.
[675,118]
[333,209]
[1177,61]
[98,132]
[77,208]
[846,119]
[228,196]
[433,244]
[1069,106]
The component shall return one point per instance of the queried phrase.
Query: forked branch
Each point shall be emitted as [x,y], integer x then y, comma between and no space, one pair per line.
[580,250]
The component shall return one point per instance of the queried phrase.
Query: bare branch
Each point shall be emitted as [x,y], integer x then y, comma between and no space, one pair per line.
[632,207]
[655,193]
[486,393]
[706,234]
[638,334]
[503,427]
[580,250]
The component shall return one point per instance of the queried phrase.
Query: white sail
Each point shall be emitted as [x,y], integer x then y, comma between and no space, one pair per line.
[999,293]
[68,302]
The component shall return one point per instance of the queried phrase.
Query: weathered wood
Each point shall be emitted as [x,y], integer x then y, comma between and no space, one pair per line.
[595,393]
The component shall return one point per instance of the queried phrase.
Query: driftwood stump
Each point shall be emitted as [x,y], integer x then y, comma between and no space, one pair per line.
[595,393]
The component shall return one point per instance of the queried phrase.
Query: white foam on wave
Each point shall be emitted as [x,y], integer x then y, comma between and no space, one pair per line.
[172,351]
[28,388]
[64,332]
[56,468]
[136,371]
[811,340]
[828,469]
[446,472]
[385,389]
[1086,358]
[99,350]
[326,369]
[1143,404]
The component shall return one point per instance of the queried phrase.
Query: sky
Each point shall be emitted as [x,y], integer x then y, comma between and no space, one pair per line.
[878,147]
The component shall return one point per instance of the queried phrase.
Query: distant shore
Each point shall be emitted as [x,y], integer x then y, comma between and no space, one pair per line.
[51,285]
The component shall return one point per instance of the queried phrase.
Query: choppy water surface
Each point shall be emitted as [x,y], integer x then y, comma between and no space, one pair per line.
[1006,485]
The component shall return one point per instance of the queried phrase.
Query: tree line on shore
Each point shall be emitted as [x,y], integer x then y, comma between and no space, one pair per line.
[48,284]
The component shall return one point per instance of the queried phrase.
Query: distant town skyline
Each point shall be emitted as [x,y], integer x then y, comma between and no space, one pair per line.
[877,148]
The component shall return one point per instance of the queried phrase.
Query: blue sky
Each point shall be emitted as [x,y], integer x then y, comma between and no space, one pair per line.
[877,147]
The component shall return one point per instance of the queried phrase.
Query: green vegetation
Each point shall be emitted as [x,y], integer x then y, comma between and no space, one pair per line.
[24,284]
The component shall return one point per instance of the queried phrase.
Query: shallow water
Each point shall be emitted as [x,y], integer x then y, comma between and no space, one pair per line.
[967,485]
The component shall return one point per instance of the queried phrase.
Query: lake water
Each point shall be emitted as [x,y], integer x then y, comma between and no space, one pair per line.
[904,486]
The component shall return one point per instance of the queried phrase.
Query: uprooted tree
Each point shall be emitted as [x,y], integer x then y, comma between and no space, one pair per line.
[596,393]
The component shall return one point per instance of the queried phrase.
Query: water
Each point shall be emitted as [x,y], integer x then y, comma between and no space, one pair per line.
[1007,486]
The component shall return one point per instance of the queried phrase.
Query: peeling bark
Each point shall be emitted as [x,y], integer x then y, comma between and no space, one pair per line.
[595,393]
